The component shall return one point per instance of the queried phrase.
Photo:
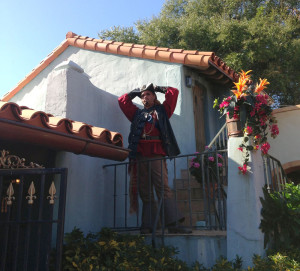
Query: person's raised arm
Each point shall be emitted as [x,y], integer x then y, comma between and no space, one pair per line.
[126,104]
[171,95]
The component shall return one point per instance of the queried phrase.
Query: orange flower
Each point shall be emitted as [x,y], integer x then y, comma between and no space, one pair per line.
[245,75]
[241,84]
[262,85]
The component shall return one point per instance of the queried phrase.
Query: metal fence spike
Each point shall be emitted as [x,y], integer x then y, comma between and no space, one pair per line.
[52,192]
[31,192]
[10,192]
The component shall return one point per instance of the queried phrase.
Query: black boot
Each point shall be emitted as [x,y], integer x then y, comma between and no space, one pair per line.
[173,218]
[149,213]
[172,214]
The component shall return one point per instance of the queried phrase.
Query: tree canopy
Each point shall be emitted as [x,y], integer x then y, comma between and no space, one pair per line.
[262,36]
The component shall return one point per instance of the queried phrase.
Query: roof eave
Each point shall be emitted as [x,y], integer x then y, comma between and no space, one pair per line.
[21,132]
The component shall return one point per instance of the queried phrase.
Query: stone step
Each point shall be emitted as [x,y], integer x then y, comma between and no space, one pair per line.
[185,174]
[183,193]
[197,205]
[184,183]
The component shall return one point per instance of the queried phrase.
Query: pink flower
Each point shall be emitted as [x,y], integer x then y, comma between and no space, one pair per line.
[243,169]
[211,158]
[249,130]
[236,116]
[196,165]
[274,130]
[224,104]
[265,148]
[262,99]
[220,164]
[220,156]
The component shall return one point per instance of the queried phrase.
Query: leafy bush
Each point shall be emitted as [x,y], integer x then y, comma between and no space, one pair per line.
[108,251]
[281,218]
[284,261]
[224,265]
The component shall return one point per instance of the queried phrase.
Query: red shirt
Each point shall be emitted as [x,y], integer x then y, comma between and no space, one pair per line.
[149,148]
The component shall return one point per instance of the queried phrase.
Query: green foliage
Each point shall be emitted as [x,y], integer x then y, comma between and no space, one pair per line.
[281,217]
[223,264]
[124,34]
[280,261]
[263,36]
[108,251]
[288,260]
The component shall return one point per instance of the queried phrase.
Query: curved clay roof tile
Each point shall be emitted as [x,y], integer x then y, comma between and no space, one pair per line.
[117,139]
[11,110]
[82,129]
[105,136]
[39,128]
[61,124]
[35,117]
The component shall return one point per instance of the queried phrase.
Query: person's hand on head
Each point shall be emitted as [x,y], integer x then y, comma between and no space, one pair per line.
[134,93]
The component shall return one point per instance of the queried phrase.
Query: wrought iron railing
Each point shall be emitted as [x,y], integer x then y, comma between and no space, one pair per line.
[202,201]
[32,217]
[275,175]
[219,142]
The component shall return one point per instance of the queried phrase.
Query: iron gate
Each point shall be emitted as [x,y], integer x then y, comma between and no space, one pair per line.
[32,218]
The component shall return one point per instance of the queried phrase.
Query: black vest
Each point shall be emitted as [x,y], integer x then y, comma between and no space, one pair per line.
[166,132]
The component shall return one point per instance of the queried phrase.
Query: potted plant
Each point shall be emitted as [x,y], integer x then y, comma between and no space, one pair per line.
[250,105]
[211,160]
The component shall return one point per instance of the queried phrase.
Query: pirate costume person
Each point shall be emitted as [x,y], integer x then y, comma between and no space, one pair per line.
[151,136]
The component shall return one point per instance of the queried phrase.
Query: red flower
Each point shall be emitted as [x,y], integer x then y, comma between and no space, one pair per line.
[265,148]
[249,130]
[274,130]
[243,169]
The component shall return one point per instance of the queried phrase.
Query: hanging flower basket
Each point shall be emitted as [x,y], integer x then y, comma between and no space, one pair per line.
[234,127]
[249,115]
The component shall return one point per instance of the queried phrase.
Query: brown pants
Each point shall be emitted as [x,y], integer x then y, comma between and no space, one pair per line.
[149,176]
[152,174]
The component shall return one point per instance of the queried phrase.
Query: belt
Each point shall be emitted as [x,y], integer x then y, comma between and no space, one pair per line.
[146,137]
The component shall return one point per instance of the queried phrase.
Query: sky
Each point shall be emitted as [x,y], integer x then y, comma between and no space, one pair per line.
[32,29]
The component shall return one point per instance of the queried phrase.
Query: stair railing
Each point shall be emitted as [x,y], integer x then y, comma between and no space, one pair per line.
[275,176]
[219,142]
[213,198]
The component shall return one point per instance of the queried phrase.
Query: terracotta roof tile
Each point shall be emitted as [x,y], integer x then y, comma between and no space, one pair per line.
[102,47]
[123,50]
[19,123]
[150,54]
[112,48]
[203,61]
[137,52]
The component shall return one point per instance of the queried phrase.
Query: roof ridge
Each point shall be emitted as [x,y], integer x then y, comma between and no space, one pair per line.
[70,35]
[207,62]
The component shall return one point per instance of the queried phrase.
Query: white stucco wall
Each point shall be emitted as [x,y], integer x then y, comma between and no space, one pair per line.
[285,147]
[84,86]
[244,238]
